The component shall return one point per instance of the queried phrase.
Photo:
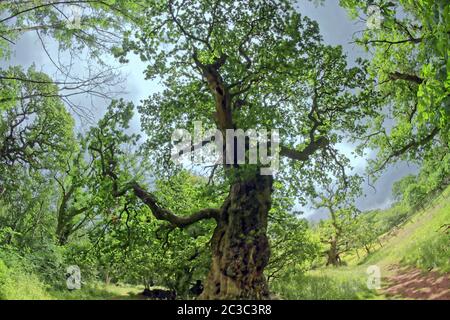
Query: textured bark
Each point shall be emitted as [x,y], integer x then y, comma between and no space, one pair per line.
[62,234]
[333,254]
[240,248]
[65,226]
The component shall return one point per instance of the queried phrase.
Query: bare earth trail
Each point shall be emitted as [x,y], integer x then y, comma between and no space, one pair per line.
[412,283]
[402,282]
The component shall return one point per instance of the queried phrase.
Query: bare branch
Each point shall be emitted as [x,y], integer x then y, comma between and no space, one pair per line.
[411,145]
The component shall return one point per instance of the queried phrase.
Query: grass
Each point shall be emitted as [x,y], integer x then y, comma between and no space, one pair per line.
[420,243]
[99,291]
[18,285]
[345,283]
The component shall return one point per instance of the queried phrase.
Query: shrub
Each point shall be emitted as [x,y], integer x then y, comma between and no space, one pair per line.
[17,284]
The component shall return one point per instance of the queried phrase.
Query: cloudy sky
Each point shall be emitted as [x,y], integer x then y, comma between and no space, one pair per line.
[336,28]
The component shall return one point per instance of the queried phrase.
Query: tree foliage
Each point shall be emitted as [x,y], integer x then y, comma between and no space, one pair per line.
[410,66]
[114,203]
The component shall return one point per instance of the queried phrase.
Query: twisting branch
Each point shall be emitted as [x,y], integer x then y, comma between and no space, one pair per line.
[334,154]
[150,200]
[161,213]
[304,155]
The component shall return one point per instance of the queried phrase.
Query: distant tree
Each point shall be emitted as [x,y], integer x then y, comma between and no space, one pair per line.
[292,242]
[338,199]
[399,187]
[36,128]
[25,207]
[337,234]
[35,133]
[84,32]
[365,233]
[415,191]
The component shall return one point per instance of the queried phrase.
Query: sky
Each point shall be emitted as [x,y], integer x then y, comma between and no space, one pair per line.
[336,29]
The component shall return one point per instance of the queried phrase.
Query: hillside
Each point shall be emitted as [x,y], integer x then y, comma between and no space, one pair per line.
[414,262]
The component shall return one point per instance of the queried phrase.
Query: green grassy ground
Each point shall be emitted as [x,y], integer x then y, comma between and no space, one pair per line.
[21,286]
[17,285]
[326,284]
[100,292]
[420,243]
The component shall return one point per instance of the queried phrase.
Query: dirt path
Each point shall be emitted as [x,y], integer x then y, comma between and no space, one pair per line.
[411,283]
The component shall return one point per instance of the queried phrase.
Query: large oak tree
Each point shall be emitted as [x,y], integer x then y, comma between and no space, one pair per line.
[239,65]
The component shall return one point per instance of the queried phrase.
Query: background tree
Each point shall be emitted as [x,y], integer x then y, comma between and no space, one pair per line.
[24,208]
[84,33]
[365,233]
[75,195]
[338,199]
[34,131]
[416,191]
[293,244]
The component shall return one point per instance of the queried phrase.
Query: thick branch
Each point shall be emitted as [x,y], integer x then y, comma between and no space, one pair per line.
[406,77]
[305,153]
[159,212]
[164,214]
[412,40]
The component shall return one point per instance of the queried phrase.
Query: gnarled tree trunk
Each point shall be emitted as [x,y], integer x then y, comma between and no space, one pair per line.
[240,248]
[333,254]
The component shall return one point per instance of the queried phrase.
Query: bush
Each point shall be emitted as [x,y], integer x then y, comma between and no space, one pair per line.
[17,284]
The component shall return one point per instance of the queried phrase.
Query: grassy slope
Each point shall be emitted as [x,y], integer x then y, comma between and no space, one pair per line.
[419,243]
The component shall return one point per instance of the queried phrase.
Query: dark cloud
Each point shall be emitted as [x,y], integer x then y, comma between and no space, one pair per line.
[381,195]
